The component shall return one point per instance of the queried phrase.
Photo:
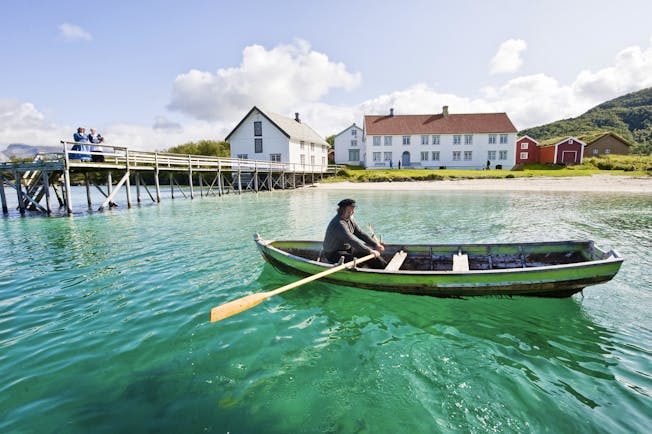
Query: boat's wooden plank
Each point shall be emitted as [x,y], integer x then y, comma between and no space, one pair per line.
[397,261]
[460,262]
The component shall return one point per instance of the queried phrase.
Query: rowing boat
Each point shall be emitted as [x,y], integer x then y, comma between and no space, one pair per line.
[543,269]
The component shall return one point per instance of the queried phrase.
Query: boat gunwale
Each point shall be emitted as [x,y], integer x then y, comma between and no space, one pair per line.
[613,256]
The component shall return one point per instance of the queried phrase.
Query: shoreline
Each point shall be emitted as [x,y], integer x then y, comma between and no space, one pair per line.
[594,184]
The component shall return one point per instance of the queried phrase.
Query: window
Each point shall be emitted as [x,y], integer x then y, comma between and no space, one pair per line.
[457,139]
[596,151]
[275,157]
[491,155]
[354,155]
[387,156]
[354,132]
[388,140]
[570,141]
[376,140]
[323,161]
[312,146]
[302,145]
[424,155]
[468,155]
[435,140]
[376,156]
[258,146]
[503,139]
[607,151]
[523,156]
[258,128]
[525,145]
[502,155]
[354,143]
[424,140]
[468,139]
[435,155]
[456,155]
[303,158]
[492,139]
[243,156]
[312,160]
[406,140]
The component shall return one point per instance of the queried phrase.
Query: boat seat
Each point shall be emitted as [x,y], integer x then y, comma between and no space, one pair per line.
[460,262]
[397,261]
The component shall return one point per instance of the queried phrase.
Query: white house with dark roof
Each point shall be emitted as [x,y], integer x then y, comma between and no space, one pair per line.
[267,136]
[445,140]
[349,146]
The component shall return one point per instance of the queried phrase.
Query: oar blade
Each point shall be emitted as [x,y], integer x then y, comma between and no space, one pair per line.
[236,306]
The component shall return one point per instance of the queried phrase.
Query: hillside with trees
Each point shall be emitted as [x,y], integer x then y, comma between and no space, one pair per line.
[629,116]
[203,147]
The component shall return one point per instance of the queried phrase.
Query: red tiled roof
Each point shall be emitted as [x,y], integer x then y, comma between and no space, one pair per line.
[438,124]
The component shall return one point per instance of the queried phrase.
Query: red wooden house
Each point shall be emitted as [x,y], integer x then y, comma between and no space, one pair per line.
[527,150]
[568,151]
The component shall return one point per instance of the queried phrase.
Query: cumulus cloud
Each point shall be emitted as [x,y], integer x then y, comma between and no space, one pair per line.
[21,122]
[71,32]
[508,57]
[278,79]
[163,124]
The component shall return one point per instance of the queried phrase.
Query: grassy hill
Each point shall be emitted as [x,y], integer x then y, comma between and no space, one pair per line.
[629,116]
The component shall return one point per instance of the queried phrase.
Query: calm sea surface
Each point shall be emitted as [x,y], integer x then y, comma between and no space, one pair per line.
[104,323]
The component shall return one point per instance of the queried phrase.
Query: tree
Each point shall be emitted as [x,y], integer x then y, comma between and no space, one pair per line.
[203,147]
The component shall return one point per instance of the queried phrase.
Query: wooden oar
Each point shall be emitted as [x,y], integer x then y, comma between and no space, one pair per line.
[247,302]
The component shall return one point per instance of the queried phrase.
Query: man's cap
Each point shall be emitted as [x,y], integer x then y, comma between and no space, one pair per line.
[346,202]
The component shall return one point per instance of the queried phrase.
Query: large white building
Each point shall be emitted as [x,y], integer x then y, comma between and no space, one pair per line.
[349,146]
[262,135]
[453,141]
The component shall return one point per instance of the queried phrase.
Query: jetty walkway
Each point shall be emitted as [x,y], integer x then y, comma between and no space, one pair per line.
[33,181]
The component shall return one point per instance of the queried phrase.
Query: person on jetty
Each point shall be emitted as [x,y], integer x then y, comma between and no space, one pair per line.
[83,150]
[93,137]
[344,238]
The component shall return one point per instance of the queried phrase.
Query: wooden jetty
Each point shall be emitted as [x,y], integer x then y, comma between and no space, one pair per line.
[33,181]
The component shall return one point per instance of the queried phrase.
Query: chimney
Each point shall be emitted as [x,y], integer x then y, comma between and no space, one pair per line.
[296,117]
[444,110]
[391,112]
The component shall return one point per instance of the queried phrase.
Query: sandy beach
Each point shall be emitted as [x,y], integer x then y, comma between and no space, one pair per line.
[594,183]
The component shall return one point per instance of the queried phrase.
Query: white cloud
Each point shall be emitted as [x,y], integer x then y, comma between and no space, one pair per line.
[278,79]
[72,32]
[218,101]
[508,57]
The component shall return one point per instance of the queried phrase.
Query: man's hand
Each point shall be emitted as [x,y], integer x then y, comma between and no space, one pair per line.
[376,253]
[380,248]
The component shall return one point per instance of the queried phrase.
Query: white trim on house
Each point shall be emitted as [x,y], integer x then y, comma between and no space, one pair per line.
[347,144]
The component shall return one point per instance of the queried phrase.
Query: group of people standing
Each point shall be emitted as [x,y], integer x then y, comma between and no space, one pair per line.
[87,146]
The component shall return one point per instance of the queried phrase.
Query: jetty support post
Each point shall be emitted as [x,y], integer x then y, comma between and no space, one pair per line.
[3,198]
[88,189]
[19,191]
[126,178]
[66,180]
[46,186]
[171,185]
[156,180]
[219,178]
[192,193]
[137,179]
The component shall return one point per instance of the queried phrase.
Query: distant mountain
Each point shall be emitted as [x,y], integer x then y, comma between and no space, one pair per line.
[19,150]
[629,116]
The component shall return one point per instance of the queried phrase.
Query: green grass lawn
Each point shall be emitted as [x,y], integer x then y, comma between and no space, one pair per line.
[623,165]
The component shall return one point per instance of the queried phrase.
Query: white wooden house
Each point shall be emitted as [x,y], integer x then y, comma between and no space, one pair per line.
[266,136]
[349,146]
[453,141]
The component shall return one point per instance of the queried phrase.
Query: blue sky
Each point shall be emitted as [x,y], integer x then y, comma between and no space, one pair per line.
[153,74]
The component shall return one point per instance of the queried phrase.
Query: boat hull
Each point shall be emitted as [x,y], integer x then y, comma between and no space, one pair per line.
[530,279]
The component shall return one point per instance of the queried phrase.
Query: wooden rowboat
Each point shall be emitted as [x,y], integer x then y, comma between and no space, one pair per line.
[545,269]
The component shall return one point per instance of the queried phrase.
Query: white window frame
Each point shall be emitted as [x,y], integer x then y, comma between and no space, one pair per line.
[457,155]
[468,139]
[354,142]
[424,155]
[425,140]
[406,140]
[387,156]
[436,139]
[387,140]
[468,155]
[503,139]
[375,156]
[525,145]
[523,155]
[492,139]
[457,139]
[502,155]
[435,155]
[354,132]
[376,141]
[354,153]
[491,155]
[275,158]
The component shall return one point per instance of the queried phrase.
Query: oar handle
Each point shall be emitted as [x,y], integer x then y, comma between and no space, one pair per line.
[247,302]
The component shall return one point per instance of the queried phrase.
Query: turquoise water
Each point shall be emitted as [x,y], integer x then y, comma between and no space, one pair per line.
[104,323]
